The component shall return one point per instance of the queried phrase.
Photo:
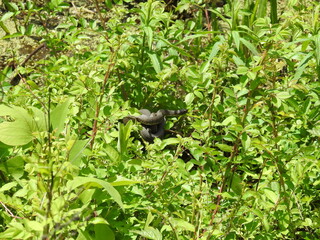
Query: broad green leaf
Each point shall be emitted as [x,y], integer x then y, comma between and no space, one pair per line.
[78,88]
[108,3]
[99,220]
[273,11]
[15,230]
[246,141]
[242,92]
[76,151]
[283,95]
[14,35]
[34,225]
[303,64]
[229,121]
[189,98]
[4,27]
[271,195]
[238,61]
[89,182]
[250,194]
[14,166]
[24,126]
[180,50]
[236,185]
[169,141]
[149,219]
[150,233]
[229,91]
[8,186]
[6,16]
[242,70]
[121,181]
[250,46]
[236,39]
[215,49]
[84,235]
[261,8]
[224,147]
[103,232]
[124,134]
[198,94]
[149,33]
[315,131]
[112,153]
[182,224]
[155,62]
[86,196]
[59,116]
[32,84]
[305,107]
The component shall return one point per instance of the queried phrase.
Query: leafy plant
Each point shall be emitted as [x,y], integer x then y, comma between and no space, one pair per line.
[242,164]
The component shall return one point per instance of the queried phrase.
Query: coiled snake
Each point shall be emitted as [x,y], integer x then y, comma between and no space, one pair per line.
[153,123]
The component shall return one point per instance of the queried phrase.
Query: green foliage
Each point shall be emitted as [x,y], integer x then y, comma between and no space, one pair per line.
[243,163]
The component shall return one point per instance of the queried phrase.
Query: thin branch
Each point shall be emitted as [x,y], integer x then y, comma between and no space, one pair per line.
[8,211]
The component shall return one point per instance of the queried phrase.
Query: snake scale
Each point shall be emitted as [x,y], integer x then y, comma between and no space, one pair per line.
[153,123]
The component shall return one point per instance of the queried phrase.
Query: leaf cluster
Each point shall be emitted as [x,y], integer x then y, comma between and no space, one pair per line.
[242,164]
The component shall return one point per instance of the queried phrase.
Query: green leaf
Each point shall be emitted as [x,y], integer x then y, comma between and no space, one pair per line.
[76,151]
[13,166]
[59,116]
[90,182]
[155,62]
[15,231]
[6,16]
[236,185]
[8,186]
[224,147]
[283,95]
[124,134]
[4,27]
[315,131]
[236,39]
[121,181]
[169,141]
[21,130]
[180,50]
[103,232]
[271,195]
[99,220]
[250,46]
[301,68]
[34,225]
[150,233]
[242,70]
[229,121]
[108,3]
[189,98]
[215,49]
[182,224]
[112,153]
[149,33]
[246,141]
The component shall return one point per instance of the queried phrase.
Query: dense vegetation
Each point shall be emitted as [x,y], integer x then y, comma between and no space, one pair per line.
[243,163]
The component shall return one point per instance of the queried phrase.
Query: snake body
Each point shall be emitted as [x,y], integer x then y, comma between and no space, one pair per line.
[153,123]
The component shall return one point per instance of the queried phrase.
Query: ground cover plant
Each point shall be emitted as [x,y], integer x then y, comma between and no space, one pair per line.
[243,163]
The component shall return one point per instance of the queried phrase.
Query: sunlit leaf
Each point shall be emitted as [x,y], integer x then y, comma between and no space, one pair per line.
[150,233]
[90,182]
[23,126]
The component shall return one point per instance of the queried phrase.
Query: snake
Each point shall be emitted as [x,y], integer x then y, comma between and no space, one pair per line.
[153,123]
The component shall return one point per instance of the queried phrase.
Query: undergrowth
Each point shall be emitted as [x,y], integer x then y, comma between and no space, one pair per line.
[242,164]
